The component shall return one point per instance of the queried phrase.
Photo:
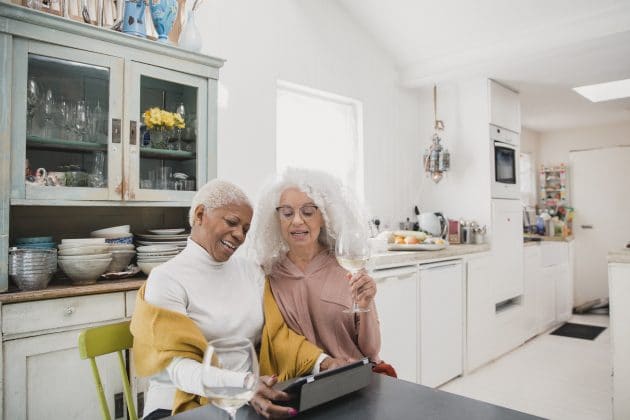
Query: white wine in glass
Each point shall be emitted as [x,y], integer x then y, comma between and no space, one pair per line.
[352,252]
[236,355]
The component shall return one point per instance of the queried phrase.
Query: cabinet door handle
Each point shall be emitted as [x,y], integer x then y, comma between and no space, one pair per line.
[587,226]
[116,132]
[69,310]
[133,133]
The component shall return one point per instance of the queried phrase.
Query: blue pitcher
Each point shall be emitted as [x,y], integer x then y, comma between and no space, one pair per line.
[163,14]
[133,22]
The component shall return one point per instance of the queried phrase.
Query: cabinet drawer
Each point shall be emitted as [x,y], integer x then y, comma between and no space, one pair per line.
[554,253]
[60,313]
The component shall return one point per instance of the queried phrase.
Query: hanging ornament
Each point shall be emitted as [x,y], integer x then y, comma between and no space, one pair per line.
[437,159]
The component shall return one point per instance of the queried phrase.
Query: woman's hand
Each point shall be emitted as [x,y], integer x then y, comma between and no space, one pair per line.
[261,401]
[363,288]
[332,363]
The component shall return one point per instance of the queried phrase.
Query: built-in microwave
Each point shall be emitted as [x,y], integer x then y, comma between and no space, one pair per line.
[504,156]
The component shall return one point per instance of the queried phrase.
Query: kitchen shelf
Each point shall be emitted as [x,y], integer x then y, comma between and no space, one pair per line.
[166,154]
[43,143]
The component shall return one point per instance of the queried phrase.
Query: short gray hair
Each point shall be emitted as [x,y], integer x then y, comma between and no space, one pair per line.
[338,205]
[217,193]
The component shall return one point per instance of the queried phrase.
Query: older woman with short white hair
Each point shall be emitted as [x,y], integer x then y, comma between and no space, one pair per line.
[298,218]
[205,293]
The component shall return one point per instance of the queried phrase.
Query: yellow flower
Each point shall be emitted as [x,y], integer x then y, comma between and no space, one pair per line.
[156,117]
[179,121]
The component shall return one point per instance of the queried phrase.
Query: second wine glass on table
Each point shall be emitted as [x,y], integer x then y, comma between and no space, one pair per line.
[236,355]
[353,252]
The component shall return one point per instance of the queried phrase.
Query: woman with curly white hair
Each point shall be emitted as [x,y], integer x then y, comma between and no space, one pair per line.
[297,220]
[205,293]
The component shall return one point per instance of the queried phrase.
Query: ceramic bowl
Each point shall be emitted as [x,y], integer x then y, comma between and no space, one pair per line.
[34,240]
[115,229]
[32,281]
[120,261]
[156,248]
[123,240]
[146,267]
[83,241]
[84,250]
[85,257]
[111,235]
[84,271]
[121,247]
[38,245]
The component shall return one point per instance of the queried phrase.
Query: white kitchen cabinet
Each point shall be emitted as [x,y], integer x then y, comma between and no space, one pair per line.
[507,248]
[43,373]
[619,291]
[564,293]
[505,107]
[532,273]
[480,331]
[441,329]
[556,263]
[397,310]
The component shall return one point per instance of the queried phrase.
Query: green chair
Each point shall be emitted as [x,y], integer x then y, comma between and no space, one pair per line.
[103,340]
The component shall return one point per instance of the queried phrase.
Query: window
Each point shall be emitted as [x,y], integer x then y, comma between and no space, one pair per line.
[528,183]
[319,130]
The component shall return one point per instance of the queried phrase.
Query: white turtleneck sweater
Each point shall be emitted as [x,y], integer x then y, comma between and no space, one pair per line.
[223,299]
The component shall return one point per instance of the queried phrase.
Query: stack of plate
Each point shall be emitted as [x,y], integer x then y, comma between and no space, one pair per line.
[115,234]
[174,237]
[83,260]
[35,242]
[150,256]
[32,269]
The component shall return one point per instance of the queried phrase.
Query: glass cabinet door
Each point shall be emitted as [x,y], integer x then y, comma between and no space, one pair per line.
[67,124]
[167,132]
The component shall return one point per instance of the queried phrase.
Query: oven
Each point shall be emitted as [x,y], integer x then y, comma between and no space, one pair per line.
[504,156]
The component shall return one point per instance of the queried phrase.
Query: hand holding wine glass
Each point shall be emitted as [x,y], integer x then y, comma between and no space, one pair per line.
[353,253]
[234,358]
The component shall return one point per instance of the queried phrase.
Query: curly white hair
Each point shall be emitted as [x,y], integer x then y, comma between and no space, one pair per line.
[338,204]
[217,193]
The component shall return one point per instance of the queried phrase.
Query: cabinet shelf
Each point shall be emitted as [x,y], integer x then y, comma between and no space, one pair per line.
[43,143]
[167,154]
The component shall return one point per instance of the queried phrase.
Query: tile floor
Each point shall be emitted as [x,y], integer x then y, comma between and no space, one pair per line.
[549,376]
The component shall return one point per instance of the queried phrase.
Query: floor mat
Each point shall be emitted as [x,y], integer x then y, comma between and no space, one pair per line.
[587,332]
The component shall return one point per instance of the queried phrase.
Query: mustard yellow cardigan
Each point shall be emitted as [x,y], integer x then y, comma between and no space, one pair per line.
[160,335]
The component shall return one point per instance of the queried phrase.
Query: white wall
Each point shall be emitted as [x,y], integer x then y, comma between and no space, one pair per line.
[555,145]
[465,190]
[313,43]
[530,143]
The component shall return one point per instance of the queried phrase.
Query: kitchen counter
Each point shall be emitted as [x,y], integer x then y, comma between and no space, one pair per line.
[548,238]
[394,258]
[619,256]
[59,289]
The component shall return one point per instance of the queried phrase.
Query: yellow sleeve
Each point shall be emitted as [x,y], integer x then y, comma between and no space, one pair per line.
[283,352]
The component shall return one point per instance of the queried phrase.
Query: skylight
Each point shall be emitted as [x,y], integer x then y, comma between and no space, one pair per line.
[605,91]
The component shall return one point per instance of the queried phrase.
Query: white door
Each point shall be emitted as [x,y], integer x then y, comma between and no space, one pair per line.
[441,335]
[397,312]
[599,191]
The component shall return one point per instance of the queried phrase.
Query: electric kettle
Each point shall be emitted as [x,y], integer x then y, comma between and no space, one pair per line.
[433,223]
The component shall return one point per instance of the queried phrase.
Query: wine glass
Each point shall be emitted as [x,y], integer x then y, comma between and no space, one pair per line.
[352,252]
[81,120]
[49,110]
[32,100]
[237,355]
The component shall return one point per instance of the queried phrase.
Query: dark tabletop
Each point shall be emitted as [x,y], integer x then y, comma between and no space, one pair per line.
[385,398]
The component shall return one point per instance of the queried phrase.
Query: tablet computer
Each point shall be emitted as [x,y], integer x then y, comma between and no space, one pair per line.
[312,390]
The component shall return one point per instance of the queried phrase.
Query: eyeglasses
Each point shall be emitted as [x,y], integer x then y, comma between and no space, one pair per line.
[288,213]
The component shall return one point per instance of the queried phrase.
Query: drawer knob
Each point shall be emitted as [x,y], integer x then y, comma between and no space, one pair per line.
[69,310]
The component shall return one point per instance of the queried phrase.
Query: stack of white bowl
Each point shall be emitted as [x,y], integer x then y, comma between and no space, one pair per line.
[120,240]
[84,259]
[151,256]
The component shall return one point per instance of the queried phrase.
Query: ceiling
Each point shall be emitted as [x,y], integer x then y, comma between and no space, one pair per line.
[542,48]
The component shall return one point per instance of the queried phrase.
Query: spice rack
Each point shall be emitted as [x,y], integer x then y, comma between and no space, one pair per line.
[554,187]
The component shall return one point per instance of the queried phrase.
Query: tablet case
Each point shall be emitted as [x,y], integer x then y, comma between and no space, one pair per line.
[311,391]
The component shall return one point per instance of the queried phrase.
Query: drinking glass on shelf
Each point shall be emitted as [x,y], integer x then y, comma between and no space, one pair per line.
[237,355]
[48,113]
[32,100]
[352,252]
[81,120]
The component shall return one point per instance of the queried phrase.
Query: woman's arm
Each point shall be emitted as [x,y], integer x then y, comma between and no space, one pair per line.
[368,328]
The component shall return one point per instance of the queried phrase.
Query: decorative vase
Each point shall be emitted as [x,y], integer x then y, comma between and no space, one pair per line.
[159,138]
[163,14]
[133,22]
[190,38]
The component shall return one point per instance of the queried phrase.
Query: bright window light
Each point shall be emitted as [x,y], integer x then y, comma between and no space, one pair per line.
[605,91]
[320,130]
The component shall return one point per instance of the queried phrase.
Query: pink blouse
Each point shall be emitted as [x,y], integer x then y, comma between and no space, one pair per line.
[312,301]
